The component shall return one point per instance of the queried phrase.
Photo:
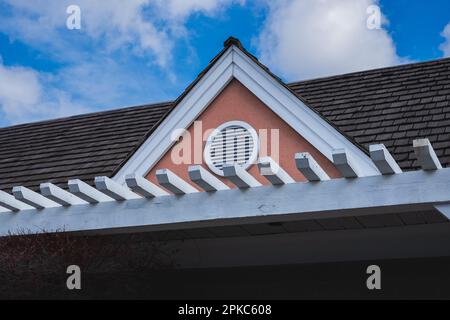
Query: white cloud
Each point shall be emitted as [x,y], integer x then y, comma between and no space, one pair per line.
[24,96]
[311,38]
[147,27]
[180,9]
[445,46]
[109,63]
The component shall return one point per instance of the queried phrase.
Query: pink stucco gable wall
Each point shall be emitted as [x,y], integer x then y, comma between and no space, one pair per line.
[236,102]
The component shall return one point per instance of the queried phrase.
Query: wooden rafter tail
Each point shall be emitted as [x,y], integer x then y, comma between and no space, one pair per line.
[383,159]
[205,180]
[173,183]
[11,203]
[273,172]
[114,190]
[344,164]
[239,177]
[32,198]
[144,187]
[84,191]
[308,166]
[426,155]
[59,195]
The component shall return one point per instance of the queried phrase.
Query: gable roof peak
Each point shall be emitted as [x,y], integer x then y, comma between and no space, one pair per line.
[232,41]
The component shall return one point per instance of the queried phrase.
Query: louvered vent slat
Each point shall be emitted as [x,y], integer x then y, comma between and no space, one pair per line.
[231,144]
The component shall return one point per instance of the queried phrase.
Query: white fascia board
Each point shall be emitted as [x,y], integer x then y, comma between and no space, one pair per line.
[236,64]
[404,192]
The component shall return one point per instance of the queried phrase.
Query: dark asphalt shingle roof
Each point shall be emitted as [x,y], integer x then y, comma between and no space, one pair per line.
[391,106]
[81,147]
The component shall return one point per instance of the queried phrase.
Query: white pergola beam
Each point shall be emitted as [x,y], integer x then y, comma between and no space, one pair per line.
[425,154]
[9,202]
[59,195]
[205,180]
[84,191]
[173,183]
[113,189]
[32,198]
[405,192]
[344,164]
[239,177]
[383,159]
[272,171]
[308,166]
[144,187]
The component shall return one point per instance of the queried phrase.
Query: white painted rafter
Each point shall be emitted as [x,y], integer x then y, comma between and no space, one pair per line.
[32,198]
[272,171]
[173,183]
[144,187]
[343,162]
[11,203]
[205,180]
[382,158]
[308,166]
[84,191]
[425,154]
[114,190]
[239,177]
[59,195]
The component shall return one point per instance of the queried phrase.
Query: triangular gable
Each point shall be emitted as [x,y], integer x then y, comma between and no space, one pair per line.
[235,63]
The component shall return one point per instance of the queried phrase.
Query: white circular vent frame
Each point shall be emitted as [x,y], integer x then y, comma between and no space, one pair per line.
[239,146]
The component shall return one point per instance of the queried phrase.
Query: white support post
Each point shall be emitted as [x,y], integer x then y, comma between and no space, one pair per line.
[9,202]
[308,166]
[425,154]
[272,171]
[114,190]
[173,183]
[343,164]
[239,177]
[383,159]
[84,191]
[144,187]
[59,195]
[205,180]
[32,198]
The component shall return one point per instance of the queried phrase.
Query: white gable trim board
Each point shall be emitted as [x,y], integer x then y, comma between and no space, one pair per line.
[236,64]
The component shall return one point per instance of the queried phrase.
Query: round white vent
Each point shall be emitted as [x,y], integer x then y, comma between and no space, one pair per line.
[231,142]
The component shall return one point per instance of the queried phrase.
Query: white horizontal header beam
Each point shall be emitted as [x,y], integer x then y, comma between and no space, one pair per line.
[295,201]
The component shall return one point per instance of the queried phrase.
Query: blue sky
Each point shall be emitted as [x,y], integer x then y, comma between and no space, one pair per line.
[143,51]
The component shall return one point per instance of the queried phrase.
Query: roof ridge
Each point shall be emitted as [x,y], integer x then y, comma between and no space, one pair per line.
[354,73]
